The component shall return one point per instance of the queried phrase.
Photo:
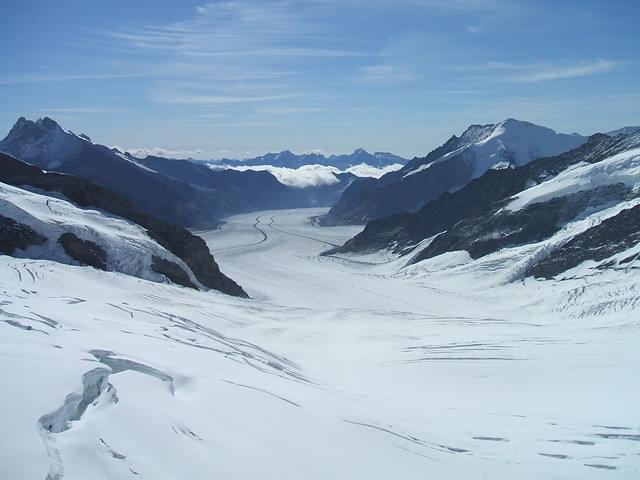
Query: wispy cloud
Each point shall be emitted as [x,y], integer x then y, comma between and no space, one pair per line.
[239,28]
[558,72]
[49,77]
[456,6]
[195,99]
[385,73]
[540,71]
[260,48]
[89,110]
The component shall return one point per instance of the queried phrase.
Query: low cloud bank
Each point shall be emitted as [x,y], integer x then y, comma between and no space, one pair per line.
[316,175]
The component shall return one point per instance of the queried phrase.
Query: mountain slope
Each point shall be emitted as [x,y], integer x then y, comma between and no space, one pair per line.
[516,206]
[88,237]
[189,248]
[180,192]
[448,168]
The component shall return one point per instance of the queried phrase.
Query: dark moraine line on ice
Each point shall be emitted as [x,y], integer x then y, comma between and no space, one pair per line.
[601,466]
[461,359]
[409,438]
[271,225]
[559,456]
[619,436]
[262,240]
[492,439]
[342,259]
[263,391]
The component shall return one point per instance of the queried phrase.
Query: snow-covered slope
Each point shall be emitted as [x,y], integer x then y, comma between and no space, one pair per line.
[623,168]
[337,369]
[180,242]
[127,247]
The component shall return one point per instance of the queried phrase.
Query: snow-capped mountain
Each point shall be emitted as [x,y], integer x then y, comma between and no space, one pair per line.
[288,159]
[449,167]
[67,219]
[561,210]
[624,131]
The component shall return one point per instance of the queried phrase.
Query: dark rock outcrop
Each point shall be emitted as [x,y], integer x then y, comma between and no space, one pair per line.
[612,236]
[179,241]
[17,236]
[85,252]
[172,271]
[489,233]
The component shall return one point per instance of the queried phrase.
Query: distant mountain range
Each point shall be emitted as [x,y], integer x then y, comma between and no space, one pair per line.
[181,192]
[448,168]
[558,211]
[288,159]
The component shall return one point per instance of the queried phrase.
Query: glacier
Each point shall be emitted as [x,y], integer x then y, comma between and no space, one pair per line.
[337,367]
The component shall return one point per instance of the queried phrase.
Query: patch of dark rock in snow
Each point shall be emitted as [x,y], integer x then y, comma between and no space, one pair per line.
[17,236]
[84,251]
[612,236]
[172,271]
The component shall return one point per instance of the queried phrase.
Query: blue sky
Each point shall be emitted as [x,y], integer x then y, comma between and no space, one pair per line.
[240,78]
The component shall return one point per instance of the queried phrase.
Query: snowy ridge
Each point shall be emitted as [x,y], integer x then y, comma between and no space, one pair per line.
[509,265]
[510,141]
[622,168]
[128,248]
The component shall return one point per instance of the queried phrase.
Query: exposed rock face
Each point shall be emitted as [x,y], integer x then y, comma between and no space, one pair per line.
[172,271]
[488,233]
[480,196]
[15,235]
[612,236]
[84,251]
[179,241]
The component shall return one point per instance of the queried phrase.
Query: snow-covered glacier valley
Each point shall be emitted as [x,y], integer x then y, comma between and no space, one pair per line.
[343,367]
